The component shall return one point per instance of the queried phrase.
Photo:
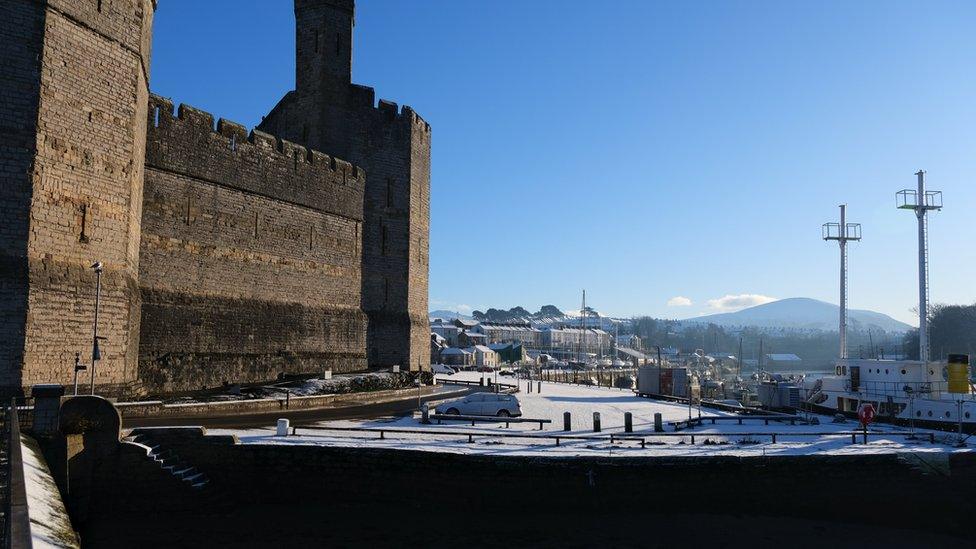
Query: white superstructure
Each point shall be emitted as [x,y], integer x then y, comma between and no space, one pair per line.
[912,391]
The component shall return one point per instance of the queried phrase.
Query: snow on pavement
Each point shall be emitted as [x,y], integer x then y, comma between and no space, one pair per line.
[752,438]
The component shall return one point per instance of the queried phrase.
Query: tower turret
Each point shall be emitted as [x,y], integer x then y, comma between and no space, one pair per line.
[323,44]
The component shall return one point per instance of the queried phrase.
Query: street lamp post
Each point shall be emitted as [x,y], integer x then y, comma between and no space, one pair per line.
[96,354]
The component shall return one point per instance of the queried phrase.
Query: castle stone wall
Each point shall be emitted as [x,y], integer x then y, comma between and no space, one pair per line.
[251,256]
[327,112]
[21,44]
[228,256]
[85,185]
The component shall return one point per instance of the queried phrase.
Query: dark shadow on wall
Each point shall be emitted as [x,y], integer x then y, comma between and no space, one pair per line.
[20,80]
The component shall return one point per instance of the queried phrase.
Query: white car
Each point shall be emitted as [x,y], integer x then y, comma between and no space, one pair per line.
[442,369]
[483,404]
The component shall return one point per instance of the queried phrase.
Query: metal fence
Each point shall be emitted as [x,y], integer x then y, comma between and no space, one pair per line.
[597,377]
[16,531]
[642,438]
[25,412]
[4,475]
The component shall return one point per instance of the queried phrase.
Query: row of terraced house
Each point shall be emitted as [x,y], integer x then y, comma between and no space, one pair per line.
[511,341]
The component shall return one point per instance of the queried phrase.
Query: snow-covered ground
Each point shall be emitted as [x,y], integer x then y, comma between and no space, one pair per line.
[50,525]
[752,438]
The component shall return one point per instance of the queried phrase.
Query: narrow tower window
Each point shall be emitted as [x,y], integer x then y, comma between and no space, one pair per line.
[98,5]
[83,237]
[383,241]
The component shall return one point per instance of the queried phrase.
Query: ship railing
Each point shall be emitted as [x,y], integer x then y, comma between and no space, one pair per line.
[921,389]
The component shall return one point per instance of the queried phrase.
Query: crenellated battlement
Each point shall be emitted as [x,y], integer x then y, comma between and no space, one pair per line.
[187,141]
[364,97]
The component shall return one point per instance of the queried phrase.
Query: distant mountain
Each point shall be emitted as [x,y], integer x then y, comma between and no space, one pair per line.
[447,315]
[519,314]
[802,313]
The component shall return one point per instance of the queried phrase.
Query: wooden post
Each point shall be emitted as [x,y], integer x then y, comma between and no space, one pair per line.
[658,423]
[628,422]
[567,422]
[596,422]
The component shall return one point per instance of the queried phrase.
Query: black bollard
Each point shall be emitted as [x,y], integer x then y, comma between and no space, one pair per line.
[658,423]
[596,422]
[567,422]
[628,422]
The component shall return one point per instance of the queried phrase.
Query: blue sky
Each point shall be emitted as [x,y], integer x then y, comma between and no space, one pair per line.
[645,150]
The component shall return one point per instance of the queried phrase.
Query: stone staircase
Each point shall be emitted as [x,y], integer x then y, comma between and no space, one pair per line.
[170,462]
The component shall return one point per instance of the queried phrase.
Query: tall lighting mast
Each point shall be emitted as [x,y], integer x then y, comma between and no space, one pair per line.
[921,201]
[843,233]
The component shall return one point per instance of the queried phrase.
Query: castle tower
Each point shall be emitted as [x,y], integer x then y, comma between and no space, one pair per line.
[323,71]
[73,77]
[327,112]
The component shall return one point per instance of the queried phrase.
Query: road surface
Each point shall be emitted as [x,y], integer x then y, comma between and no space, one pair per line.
[263,419]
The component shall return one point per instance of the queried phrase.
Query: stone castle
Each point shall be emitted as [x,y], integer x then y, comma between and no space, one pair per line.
[229,256]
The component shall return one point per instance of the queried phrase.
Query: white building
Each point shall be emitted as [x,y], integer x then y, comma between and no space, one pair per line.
[594,341]
[484,356]
[522,333]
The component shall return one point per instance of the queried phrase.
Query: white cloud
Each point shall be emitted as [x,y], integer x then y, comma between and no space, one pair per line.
[679,301]
[736,302]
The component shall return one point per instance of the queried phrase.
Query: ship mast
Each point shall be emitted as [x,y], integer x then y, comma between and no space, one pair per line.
[842,232]
[921,201]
